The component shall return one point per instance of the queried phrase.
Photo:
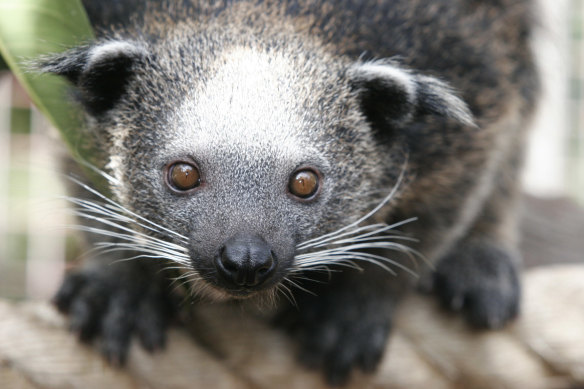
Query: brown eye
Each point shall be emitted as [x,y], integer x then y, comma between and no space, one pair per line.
[303,183]
[183,176]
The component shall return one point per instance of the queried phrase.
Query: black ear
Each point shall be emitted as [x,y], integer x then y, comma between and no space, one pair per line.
[101,72]
[392,95]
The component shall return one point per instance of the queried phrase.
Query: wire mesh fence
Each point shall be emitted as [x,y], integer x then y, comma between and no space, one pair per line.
[33,225]
[576,87]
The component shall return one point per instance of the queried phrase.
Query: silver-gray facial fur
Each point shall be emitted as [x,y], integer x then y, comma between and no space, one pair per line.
[207,114]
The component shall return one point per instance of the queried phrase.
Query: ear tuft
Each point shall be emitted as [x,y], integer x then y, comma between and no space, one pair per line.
[69,64]
[391,94]
[100,72]
[438,98]
[113,51]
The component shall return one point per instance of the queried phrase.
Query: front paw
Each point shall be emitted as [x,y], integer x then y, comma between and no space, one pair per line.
[338,333]
[479,278]
[113,305]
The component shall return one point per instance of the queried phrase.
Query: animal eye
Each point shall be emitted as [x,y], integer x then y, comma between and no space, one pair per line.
[183,176]
[303,183]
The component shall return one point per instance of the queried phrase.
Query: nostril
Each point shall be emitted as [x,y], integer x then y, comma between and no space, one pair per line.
[245,261]
[226,262]
[265,268]
[229,266]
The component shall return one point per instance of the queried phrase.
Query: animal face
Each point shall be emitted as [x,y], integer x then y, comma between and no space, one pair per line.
[258,139]
[246,153]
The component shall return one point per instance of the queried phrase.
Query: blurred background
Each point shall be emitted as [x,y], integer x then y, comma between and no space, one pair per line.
[35,243]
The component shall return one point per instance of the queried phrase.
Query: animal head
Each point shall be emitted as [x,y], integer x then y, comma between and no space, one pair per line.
[245,159]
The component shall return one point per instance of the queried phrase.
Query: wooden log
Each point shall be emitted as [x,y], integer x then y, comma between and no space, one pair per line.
[234,349]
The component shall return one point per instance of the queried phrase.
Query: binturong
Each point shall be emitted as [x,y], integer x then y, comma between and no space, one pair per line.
[321,157]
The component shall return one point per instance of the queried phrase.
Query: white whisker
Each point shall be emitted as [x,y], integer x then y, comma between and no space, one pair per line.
[138,245]
[379,228]
[121,227]
[128,231]
[368,215]
[147,254]
[107,210]
[353,243]
[338,260]
[286,292]
[125,210]
[179,280]
[321,242]
[296,285]
[97,170]
[179,269]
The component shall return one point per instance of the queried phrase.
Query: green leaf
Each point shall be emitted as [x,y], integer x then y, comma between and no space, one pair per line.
[3,65]
[32,28]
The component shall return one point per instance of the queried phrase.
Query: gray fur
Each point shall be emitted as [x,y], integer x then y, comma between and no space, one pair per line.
[435,113]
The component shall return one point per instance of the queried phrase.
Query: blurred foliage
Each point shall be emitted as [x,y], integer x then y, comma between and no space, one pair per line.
[20,120]
[30,29]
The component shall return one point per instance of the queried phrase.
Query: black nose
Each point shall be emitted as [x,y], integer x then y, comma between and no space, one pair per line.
[245,260]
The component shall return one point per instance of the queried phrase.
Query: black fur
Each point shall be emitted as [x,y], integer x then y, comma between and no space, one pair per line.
[460,179]
[343,323]
[115,304]
[100,84]
[479,279]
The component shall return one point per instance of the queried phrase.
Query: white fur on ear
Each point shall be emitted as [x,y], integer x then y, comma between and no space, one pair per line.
[100,72]
[113,49]
[380,70]
[440,98]
[421,94]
